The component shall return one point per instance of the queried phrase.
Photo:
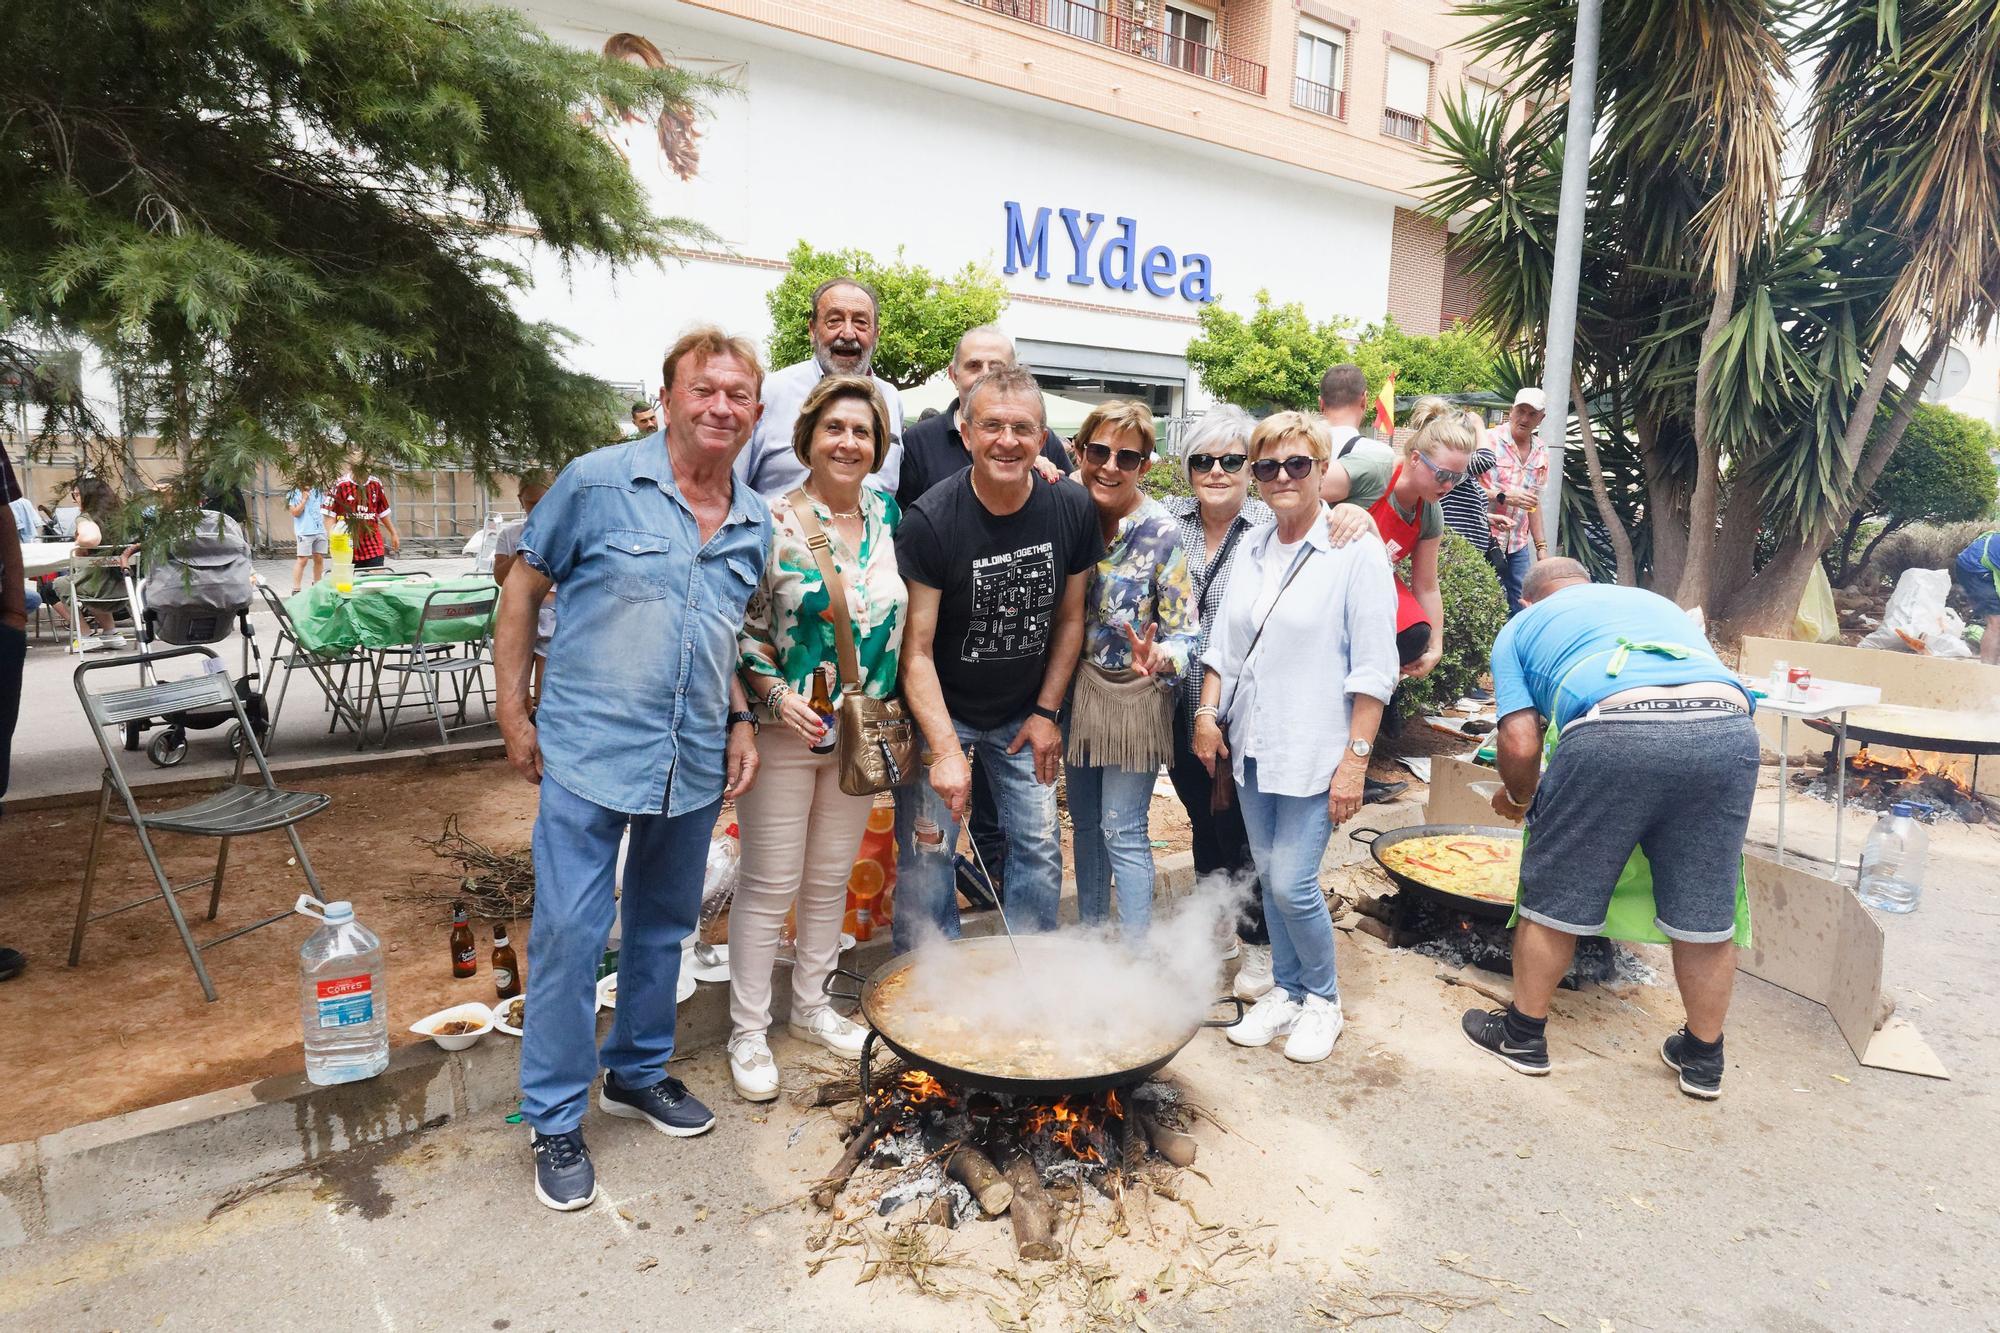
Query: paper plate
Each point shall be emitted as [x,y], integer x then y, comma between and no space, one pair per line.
[502,1010]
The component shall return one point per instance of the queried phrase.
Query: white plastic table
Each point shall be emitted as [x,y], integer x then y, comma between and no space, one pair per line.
[1826,698]
[47,557]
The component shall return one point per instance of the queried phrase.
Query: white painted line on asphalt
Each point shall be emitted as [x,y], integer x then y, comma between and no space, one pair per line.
[360,1257]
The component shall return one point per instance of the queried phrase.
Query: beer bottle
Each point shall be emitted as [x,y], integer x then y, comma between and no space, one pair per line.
[822,703]
[506,968]
[464,952]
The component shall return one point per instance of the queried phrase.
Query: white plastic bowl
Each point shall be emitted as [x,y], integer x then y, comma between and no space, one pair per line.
[458,1041]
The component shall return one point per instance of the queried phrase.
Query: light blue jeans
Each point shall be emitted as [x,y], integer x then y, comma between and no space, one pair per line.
[1514,567]
[926,888]
[1108,809]
[576,857]
[1288,837]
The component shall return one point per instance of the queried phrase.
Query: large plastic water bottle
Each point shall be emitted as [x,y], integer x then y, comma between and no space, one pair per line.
[1892,866]
[342,1004]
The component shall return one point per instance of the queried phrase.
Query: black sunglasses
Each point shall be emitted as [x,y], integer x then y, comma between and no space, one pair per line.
[1129,460]
[1446,476]
[1266,469]
[1231,463]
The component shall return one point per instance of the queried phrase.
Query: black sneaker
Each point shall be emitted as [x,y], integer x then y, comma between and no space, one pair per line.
[1487,1029]
[564,1178]
[1701,1075]
[12,964]
[668,1105]
[1375,793]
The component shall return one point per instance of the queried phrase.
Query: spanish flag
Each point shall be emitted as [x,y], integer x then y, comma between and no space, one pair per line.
[1385,409]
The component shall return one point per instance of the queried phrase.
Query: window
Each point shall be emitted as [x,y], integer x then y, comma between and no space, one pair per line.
[1406,97]
[1479,96]
[1190,37]
[1320,79]
[1078,19]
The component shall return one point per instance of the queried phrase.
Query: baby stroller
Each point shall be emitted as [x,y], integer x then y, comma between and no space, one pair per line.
[196,595]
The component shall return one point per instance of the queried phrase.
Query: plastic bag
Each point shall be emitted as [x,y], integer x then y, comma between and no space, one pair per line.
[1917,619]
[1818,620]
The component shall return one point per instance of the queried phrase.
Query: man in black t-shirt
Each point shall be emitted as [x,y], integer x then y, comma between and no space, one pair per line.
[997,565]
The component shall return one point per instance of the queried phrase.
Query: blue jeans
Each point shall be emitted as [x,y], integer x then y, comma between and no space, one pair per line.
[1107,811]
[1514,567]
[576,855]
[1288,837]
[926,890]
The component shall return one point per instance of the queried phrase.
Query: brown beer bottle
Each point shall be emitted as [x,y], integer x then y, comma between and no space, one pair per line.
[506,969]
[822,703]
[464,949]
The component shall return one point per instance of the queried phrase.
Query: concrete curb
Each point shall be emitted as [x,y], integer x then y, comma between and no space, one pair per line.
[206,1147]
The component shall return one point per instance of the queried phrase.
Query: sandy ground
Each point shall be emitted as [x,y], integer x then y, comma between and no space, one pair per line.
[1817,1195]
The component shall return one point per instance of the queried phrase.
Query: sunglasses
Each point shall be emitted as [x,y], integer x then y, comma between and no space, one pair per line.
[1231,463]
[1266,469]
[1446,476]
[1129,460]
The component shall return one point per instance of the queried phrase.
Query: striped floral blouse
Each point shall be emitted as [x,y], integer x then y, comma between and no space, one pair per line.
[789,620]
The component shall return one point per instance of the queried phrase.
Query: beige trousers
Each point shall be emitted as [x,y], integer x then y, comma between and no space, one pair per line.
[800,833]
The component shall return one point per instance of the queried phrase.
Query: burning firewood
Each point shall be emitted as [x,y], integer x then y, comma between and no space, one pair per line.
[1031,1214]
[865,1138]
[975,1170]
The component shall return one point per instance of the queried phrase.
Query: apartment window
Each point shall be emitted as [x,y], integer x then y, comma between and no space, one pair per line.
[1320,79]
[1406,97]
[1190,37]
[1077,19]
[1479,96]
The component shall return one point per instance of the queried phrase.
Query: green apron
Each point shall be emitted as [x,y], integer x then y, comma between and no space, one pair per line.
[1632,912]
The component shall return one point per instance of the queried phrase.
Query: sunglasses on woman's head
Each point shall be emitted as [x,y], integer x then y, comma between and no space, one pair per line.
[1129,460]
[1231,463]
[1266,469]
[1446,476]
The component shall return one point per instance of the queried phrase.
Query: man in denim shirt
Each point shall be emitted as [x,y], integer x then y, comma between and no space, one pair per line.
[653,552]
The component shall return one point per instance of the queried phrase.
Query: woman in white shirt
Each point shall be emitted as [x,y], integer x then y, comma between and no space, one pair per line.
[1300,663]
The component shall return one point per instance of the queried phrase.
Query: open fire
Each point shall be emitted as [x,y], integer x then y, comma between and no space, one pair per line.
[1942,782]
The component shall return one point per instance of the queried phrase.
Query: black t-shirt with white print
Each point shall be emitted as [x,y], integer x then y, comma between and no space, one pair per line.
[1000,579]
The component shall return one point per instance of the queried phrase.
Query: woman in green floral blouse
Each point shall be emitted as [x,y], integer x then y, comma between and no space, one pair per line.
[800,831]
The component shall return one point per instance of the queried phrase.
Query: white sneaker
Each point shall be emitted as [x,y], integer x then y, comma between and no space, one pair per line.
[1253,974]
[752,1069]
[1231,947]
[1316,1029]
[825,1025]
[1272,1016]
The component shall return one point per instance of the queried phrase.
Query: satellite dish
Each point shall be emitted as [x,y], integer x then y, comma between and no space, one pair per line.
[1953,374]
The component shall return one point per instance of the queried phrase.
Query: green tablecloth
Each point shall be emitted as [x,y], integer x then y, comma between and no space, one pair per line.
[383,613]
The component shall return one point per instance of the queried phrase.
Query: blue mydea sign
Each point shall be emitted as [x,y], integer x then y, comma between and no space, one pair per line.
[1119,262]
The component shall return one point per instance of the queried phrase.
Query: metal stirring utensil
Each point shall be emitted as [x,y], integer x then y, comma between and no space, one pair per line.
[993,886]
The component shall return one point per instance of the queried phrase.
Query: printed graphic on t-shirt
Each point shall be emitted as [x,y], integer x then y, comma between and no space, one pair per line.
[1013,604]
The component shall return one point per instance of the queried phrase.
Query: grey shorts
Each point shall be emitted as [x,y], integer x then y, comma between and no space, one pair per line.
[1677,788]
[315,545]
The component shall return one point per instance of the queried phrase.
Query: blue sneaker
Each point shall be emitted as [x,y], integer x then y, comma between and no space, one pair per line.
[564,1178]
[668,1105]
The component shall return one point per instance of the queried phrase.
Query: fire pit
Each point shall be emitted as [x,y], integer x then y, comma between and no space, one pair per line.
[1965,735]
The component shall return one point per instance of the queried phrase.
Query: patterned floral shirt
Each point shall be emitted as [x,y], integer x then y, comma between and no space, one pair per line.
[1142,580]
[1209,583]
[788,620]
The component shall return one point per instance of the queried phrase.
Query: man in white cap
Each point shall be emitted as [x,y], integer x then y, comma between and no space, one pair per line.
[1515,486]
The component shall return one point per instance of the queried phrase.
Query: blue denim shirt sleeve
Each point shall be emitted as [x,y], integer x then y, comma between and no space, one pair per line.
[548,541]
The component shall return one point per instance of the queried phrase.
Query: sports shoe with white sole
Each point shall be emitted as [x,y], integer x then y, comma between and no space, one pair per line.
[564,1178]
[1701,1075]
[1271,1017]
[667,1106]
[1487,1029]
[1253,974]
[826,1025]
[1315,1030]
[752,1069]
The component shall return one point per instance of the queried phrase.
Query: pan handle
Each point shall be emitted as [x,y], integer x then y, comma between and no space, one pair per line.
[1227,1022]
[1354,834]
[826,987]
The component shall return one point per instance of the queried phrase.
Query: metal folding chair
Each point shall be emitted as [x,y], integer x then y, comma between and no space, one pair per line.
[461,662]
[239,808]
[125,601]
[292,654]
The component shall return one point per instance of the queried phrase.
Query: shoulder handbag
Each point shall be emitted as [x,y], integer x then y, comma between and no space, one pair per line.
[877,745]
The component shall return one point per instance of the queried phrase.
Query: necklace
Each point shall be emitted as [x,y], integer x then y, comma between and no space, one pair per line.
[831,511]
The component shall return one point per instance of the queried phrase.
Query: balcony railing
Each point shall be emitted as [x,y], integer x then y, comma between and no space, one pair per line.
[1104,27]
[1319,99]
[1402,125]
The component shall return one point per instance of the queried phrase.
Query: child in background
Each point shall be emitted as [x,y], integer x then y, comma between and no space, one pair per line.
[533,486]
[308,532]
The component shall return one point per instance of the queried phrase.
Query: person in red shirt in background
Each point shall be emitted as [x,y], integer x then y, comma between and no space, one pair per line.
[364,506]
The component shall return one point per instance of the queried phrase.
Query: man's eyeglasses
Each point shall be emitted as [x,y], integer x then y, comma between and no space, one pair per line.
[1129,460]
[1231,463]
[1019,430]
[1446,476]
[1266,469]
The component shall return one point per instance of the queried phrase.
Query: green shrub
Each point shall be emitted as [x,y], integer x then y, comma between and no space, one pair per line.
[1924,546]
[1166,477]
[1475,609]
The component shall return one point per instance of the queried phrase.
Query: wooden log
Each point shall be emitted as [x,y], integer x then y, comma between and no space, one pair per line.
[835,1091]
[1176,1147]
[940,1213]
[1381,930]
[872,1129]
[975,1170]
[1034,1229]
[846,1114]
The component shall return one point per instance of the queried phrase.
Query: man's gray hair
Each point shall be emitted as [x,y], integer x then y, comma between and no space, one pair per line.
[1549,575]
[844,281]
[1010,381]
[1223,426]
[981,331]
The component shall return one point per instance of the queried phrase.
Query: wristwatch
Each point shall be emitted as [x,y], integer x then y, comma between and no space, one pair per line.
[1048,713]
[744,715]
[1359,748]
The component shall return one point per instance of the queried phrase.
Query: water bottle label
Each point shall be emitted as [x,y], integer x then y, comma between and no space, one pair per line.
[346,1001]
